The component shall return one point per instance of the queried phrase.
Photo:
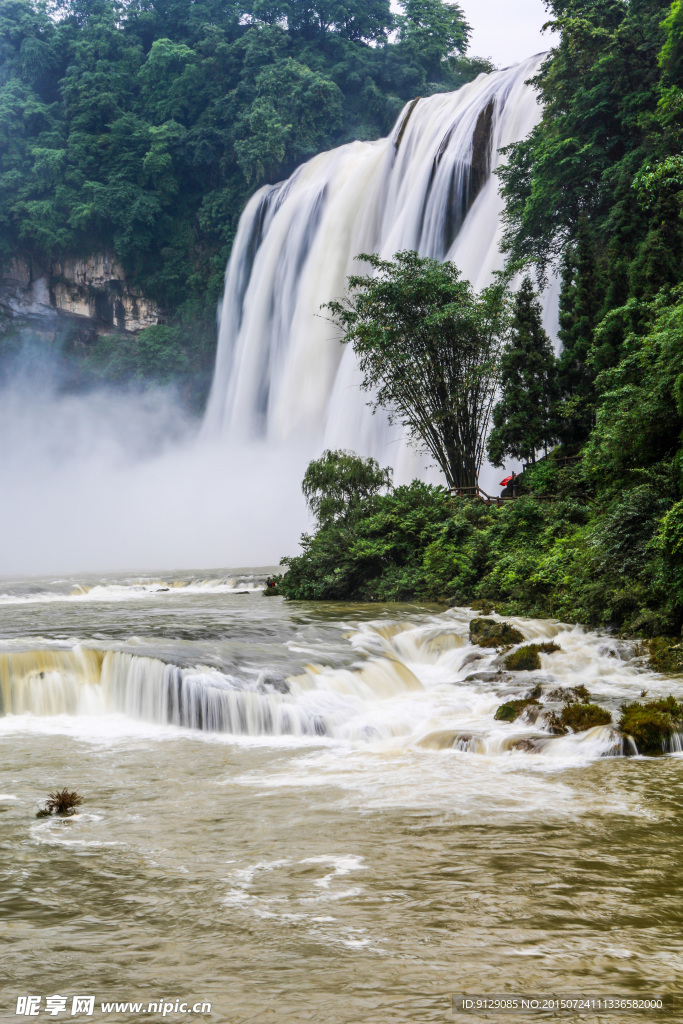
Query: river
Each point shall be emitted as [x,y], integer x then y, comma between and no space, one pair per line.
[360,842]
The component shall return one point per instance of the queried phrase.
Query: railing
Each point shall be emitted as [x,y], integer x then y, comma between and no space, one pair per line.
[487,499]
[477,492]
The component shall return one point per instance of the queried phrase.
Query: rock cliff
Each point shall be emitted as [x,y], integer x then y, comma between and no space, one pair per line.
[93,293]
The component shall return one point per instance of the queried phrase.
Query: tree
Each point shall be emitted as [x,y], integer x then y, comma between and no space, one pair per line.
[287,123]
[428,348]
[524,417]
[433,31]
[580,305]
[339,482]
[640,402]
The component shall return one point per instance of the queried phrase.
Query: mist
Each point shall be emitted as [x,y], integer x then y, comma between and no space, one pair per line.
[112,479]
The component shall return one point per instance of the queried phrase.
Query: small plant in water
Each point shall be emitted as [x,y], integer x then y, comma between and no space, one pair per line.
[62,804]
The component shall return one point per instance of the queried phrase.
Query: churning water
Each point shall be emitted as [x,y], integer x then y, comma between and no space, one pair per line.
[309,812]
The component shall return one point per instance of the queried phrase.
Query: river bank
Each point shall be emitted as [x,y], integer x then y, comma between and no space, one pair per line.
[564,549]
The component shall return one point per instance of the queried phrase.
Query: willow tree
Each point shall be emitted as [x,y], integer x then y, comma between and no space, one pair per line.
[339,482]
[428,347]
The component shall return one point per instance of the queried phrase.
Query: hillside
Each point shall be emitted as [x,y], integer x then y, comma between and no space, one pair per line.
[134,131]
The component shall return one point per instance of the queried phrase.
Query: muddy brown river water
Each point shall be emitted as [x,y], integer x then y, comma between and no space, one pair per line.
[309,813]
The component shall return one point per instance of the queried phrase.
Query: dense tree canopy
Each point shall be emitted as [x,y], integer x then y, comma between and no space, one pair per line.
[142,126]
[595,191]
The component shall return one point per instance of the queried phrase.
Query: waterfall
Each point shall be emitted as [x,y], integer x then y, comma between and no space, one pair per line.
[281,371]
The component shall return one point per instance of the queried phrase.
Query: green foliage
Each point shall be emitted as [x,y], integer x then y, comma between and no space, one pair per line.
[180,354]
[665,654]
[671,541]
[607,562]
[595,191]
[291,118]
[640,406]
[379,552]
[523,419]
[142,126]
[430,31]
[428,349]
[338,482]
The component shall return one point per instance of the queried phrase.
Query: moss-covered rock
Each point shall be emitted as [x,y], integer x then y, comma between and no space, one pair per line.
[551,721]
[652,725]
[665,655]
[527,659]
[579,717]
[513,709]
[489,633]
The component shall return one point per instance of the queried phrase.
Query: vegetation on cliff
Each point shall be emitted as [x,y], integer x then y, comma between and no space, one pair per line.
[141,127]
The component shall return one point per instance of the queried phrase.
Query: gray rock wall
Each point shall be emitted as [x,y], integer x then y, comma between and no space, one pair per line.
[93,291]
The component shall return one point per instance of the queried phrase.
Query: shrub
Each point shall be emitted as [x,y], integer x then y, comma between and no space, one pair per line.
[63,804]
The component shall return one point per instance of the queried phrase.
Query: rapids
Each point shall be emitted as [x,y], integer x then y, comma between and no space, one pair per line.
[310,812]
[391,685]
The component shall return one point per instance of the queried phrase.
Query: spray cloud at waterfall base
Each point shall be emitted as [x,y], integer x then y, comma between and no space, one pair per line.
[114,479]
[110,480]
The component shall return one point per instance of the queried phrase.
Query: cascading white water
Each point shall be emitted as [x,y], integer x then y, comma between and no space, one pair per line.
[281,370]
[421,686]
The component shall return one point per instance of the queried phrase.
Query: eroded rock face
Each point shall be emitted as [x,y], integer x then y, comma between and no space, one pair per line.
[93,289]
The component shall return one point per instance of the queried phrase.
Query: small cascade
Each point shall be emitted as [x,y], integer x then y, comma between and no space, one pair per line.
[418,685]
[429,186]
[48,682]
[201,698]
[675,744]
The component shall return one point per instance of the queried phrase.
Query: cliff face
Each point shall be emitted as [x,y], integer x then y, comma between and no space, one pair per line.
[93,293]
